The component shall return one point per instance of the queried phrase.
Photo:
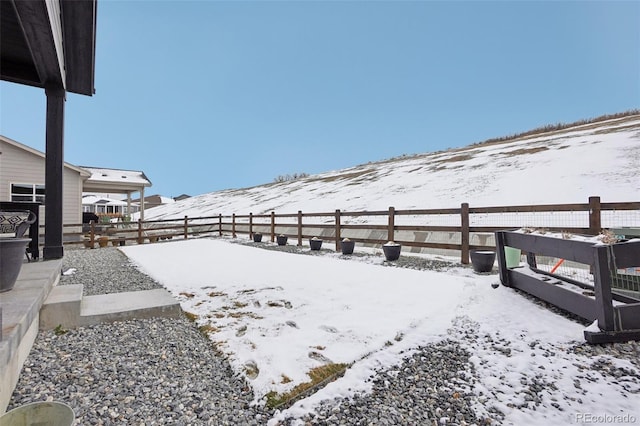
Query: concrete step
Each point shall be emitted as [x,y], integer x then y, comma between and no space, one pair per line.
[62,307]
[128,305]
[66,307]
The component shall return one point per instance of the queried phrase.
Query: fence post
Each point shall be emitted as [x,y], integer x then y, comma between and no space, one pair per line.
[392,224]
[464,230]
[233,225]
[273,226]
[595,223]
[186,227]
[220,224]
[140,240]
[93,233]
[299,228]
[250,225]
[338,239]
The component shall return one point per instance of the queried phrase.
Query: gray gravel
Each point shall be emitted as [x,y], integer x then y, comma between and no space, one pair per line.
[430,387]
[144,372]
[408,262]
[102,271]
[164,371]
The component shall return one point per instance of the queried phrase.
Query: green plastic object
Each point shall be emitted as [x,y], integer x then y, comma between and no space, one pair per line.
[39,414]
[512,256]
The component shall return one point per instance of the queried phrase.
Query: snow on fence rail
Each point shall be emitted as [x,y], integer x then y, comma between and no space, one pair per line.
[458,230]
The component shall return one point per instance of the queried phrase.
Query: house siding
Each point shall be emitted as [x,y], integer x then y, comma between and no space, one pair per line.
[20,166]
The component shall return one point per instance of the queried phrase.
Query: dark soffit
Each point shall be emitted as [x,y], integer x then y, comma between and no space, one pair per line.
[28,54]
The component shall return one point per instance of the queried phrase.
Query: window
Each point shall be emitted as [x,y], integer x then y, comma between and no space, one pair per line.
[27,192]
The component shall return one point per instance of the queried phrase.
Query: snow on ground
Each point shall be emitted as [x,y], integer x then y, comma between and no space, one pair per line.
[286,314]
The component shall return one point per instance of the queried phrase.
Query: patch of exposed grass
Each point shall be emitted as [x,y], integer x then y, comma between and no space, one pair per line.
[217,293]
[555,128]
[187,295]
[615,129]
[208,328]
[191,316]
[345,176]
[59,330]
[285,379]
[239,305]
[251,315]
[463,157]
[320,376]
[522,151]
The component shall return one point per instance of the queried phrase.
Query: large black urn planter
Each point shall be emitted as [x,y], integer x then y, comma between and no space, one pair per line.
[11,256]
[315,243]
[391,250]
[347,246]
[482,261]
[257,237]
[281,240]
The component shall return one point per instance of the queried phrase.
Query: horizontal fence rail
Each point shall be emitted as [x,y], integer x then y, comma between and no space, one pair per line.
[460,229]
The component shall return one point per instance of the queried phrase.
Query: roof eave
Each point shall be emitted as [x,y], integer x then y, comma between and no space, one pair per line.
[79,29]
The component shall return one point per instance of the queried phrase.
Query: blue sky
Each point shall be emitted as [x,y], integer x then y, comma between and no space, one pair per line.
[208,95]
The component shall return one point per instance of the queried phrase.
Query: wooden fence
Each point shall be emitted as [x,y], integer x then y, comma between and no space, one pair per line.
[380,226]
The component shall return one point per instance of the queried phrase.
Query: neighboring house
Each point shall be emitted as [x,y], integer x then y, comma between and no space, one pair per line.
[107,206]
[154,201]
[117,181]
[22,178]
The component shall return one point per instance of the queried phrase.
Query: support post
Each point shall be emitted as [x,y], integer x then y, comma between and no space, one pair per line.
[465,237]
[502,260]
[273,226]
[233,225]
[140,239]
[595,224]
[602,287]
[338,238]
[129,205]
[392,224]
[54,166]
[186,227]
[92,233]
[142,203]
[299,228]
[220,224]
[250,226]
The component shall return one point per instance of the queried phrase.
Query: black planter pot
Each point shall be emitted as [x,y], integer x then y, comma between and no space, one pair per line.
[482,261]
[315,244]
[391,251]
[11,256]
[257,238]
[281,240]
[347,246]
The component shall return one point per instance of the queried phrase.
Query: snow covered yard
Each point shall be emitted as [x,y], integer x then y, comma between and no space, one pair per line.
[279,316]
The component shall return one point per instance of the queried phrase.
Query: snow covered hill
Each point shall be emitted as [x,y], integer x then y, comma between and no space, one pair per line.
[563,166]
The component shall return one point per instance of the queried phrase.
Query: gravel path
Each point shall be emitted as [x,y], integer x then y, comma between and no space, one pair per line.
[163,371]
[103,271]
